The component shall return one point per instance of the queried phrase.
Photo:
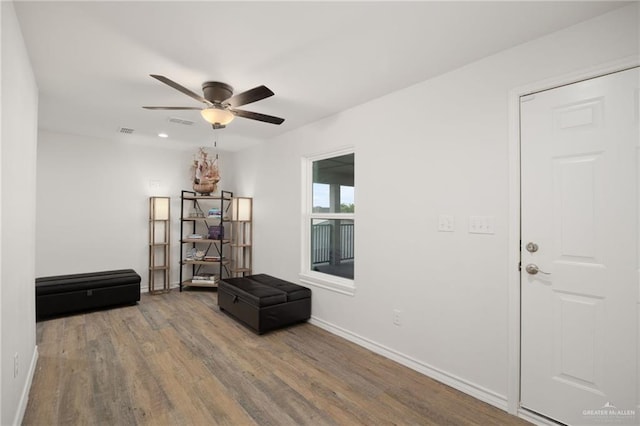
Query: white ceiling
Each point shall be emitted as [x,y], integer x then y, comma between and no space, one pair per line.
[92,59]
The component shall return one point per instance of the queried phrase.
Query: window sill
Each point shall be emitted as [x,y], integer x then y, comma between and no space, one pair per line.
[329,282]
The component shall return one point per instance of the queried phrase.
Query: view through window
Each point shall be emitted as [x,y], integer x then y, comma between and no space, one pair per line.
[332,216]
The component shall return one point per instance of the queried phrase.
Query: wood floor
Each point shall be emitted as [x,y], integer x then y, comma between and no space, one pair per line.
[175,359]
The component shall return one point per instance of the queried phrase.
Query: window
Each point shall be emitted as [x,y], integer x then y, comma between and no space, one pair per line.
[329,221]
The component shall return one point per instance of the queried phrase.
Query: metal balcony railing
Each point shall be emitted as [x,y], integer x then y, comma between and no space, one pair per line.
[323,246]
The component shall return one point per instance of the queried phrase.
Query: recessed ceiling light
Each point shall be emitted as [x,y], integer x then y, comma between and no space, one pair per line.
[163,135]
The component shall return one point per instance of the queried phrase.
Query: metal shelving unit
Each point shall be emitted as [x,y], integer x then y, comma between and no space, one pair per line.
[194,271]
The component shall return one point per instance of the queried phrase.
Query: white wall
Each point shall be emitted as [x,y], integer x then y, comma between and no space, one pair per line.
[19,100]
[93,201]
[638,112]
[437,147]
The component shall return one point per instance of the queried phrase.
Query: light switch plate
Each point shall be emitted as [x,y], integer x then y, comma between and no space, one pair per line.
[481,225]
[446,223]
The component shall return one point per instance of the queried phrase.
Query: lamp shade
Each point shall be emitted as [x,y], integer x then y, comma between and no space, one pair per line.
[160,208]
[217,115]
[241,209]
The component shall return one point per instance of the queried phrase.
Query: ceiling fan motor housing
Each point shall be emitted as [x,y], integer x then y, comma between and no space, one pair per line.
[216,92]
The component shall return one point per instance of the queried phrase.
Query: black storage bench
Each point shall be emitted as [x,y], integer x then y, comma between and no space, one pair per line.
[263,302]
[64,294]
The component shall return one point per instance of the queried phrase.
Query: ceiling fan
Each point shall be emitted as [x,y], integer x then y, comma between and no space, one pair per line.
[220,103]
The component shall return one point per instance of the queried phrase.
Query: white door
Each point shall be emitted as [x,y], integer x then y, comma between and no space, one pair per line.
[579,156]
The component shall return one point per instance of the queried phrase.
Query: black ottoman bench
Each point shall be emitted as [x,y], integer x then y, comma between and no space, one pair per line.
[64,294]
[263,302]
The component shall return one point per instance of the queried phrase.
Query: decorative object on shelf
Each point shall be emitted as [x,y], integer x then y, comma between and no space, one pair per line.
[159,242]
[194,254]
[206,174]
[195,212]
[216,232]
[190,254]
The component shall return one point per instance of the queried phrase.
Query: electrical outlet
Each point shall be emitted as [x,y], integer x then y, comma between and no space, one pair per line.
[396,316]
[15,365]
[446,223]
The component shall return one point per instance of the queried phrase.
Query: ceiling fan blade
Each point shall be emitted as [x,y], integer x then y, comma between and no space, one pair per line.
[180,88]
[257,116]
[158,107]
[253,95]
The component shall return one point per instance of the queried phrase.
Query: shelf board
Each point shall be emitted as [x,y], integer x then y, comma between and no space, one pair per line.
[190,283]
[204,262]
[203,240]
[195,219]
[205,197]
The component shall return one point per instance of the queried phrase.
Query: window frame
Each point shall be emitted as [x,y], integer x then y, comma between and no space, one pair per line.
[307,275]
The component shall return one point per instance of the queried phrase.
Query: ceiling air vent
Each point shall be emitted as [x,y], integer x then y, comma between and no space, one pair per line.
[182,121]
[125,130]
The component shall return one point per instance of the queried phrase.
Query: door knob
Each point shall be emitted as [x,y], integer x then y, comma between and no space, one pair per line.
[532,247]
[533,269]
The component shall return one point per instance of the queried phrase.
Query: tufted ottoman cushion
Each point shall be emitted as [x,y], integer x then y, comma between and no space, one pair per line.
[263,302]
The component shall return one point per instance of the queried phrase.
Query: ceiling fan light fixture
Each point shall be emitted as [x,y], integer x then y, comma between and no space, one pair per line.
[217,115]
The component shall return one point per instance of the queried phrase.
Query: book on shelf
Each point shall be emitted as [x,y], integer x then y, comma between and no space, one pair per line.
[204,279]
[214,212]
[213,258]
[195,282]
[195,236]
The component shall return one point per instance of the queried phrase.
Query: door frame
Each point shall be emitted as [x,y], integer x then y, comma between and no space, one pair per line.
[513,277]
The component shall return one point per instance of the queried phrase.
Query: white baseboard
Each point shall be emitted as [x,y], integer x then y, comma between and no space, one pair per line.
[24,397]
[476,391]
[536,419]
[145,288]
